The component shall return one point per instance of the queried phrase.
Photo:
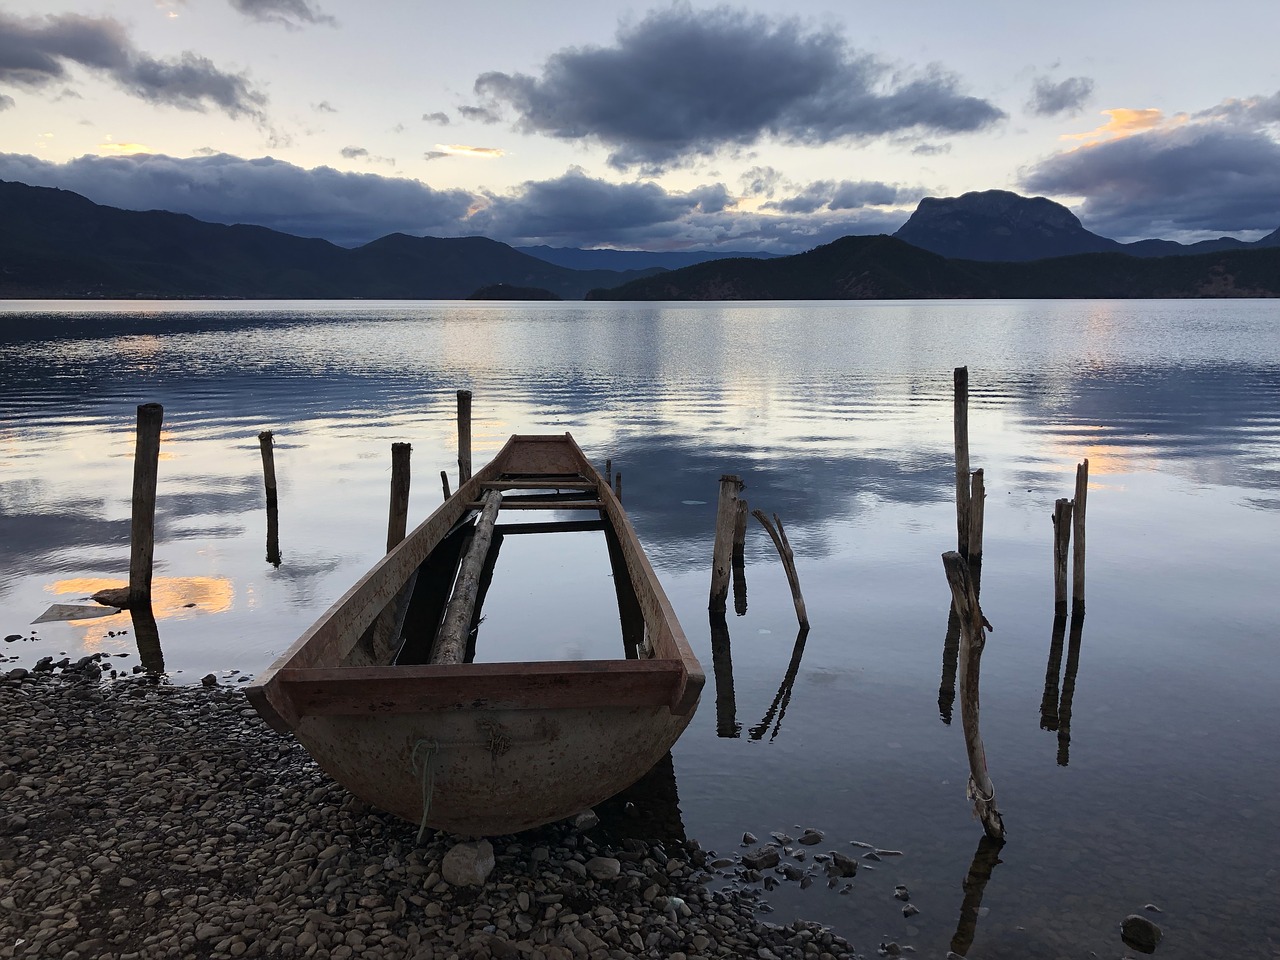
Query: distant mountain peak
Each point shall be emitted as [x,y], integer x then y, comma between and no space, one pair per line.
[999,225]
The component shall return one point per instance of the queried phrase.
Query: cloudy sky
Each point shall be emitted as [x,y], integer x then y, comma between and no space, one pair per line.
[596,123]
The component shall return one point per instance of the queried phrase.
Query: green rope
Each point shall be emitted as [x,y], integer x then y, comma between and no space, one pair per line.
[428,775]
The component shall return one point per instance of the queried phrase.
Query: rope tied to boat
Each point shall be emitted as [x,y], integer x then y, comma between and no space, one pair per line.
[426,770]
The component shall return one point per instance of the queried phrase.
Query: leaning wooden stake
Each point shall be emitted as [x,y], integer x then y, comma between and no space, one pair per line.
[973,638]
[398,513]
[779,537]
[146,464]
[961,429]
[1061,548]
[451,643]
[464,436]
[977,515]
[722,552]
[1077,523]
[444,482]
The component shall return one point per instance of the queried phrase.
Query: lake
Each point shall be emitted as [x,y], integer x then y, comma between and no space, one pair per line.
[1135,760]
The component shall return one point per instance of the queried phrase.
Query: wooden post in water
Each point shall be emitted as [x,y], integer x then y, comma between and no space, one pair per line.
[398,513]
[608,471]
[464,436]
[779,537]
[722,552]
[1061,547]
[977,515]
[266,443]
[455,627]
[973,638]
[1077,523]
[740,558]
[444,482]
[146,464]
[617,485]
[961,425]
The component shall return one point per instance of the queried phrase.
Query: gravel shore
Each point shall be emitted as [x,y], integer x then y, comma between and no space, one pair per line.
[142,820]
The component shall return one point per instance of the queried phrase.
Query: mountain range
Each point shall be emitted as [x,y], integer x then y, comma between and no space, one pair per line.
[54,243]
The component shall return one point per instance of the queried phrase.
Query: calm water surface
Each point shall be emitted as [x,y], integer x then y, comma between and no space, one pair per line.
[1135,761]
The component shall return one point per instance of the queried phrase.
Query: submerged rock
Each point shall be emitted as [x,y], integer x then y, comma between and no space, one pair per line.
[761,858]
[1140,933]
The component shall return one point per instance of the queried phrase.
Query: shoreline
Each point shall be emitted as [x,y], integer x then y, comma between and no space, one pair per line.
[145,820]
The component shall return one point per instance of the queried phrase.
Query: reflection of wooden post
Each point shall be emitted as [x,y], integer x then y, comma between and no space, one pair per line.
[455,627]
[1061,547]
[783,697]
[464,436]
[727,724]
[273,535]
[972,639]
[1077,523]
[444,482]
[985,859]
[950,661]
[147,636]
[961,429]
[1069,688]
[146,468]
[398,513]
[977,512]
[779,537]
[1049,700]
[722,552]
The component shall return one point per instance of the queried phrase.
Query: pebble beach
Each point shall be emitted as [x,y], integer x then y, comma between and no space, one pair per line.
[140,820]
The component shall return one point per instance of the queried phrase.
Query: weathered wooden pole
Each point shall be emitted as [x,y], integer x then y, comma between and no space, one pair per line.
[398,513]
[977,515]
[617,484]
[740,558]
[266,443]
[444,482]
[961,425]
[608,471]
[1077,523]
[455,627]
[1061,549]
[722,552]
[973,638]
[779,537]
[464,436]
[146,468]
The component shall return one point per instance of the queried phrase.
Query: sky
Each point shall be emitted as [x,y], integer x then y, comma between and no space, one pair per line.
[667,126]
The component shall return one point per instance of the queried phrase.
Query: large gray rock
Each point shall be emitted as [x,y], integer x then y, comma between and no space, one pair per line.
[603,868]
[761,858]
[468,864]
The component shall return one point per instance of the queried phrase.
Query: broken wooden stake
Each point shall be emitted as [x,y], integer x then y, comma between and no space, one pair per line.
[398,513]
[779,536]
[973,638]
[146,461]
[464,436]
[1077,524]
[722,552]
[444,482]
[1061,547]
[977,512]
[961,430]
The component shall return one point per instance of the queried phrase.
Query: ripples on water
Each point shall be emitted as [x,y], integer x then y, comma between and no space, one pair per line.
[1160,786]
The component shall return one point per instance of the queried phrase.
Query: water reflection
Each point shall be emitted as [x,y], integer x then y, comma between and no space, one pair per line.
[647,810]
[783,696]
[727,724]
[985,859]
[1055,709]
[147,634]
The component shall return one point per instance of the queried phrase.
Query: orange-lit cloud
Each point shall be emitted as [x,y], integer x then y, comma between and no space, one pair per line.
[1124,122]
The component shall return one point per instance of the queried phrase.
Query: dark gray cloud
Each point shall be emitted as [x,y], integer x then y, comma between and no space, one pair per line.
[1217,172]
[479,114]
[6,102]
[352,152]
[438,117]
[435,155]
[1049,99]
[324,106]
[347,208]
[290,13]
[683,83]
[35,53]
[761,181]
[930,149]
[845,195]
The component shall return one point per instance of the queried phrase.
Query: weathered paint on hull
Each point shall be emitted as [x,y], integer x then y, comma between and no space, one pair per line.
[495,771]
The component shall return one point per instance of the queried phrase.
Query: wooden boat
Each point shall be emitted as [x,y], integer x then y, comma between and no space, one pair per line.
[485,748]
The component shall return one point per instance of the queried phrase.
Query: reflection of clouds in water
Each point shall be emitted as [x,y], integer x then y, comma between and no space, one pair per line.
[301,576]
[172,598]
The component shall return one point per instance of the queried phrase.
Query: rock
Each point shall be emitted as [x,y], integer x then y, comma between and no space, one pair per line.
[1140,933]
[468,864]
[872,855]
[900,893]
[748,839]
[761,858]
[811,836]
[12,637]
[603,868]
[586,820]
[909,910]
[842,866]
[209,680]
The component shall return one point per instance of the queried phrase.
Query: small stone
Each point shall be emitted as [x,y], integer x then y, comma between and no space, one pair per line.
[603,868]
[209,680]
[811,836]
[843,866]
[900,893]
[1140,933]
[909,910]
[748,839]
[468,864]
[587,820]
[761,858]
[872,855]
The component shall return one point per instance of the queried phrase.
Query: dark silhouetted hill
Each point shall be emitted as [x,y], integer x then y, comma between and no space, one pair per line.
[633,259]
